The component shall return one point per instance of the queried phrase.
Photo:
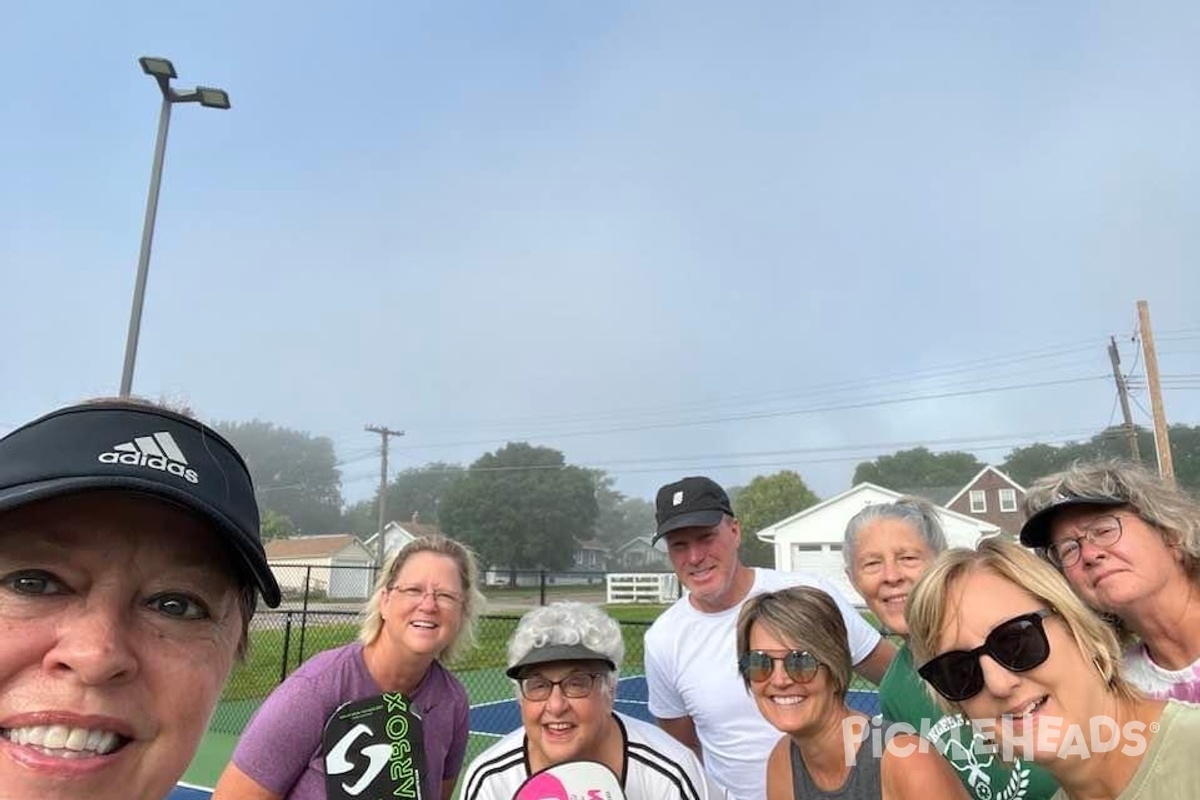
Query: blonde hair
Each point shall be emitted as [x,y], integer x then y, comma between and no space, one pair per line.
[929,606]
[468,574]
[806,617]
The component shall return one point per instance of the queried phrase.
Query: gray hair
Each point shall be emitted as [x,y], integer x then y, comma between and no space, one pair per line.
[915,511]
[1159,502]
[570,623]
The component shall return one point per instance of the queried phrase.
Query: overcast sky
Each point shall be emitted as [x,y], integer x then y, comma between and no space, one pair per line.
[665,238]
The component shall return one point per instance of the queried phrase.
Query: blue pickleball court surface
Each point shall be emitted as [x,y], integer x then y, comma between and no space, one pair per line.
[502,716]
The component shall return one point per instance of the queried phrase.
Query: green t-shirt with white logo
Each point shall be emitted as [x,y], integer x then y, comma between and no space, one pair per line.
[985,775]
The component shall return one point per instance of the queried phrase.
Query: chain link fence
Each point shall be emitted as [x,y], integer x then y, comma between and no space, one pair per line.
[315,616]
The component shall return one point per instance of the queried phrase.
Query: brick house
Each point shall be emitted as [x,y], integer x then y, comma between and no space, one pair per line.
[992,496]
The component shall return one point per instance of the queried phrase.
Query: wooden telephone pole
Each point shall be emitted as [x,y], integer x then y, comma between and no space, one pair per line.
[1123,393]
[1162,439]
[384,433]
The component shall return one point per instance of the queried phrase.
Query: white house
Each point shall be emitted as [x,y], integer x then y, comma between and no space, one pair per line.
[811,541]
[640,553]
[398,534]
[336,565]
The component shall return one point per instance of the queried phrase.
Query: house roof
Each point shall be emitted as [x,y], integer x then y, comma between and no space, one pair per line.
[591,544]
[309,546]
[768,534]
[938,495]
[982,472]
[643,540]
[413,529]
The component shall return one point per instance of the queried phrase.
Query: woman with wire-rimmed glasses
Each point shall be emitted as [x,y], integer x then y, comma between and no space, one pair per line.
[794,659]
[1000,636]
[1128,542]
[564,659]
[421,613]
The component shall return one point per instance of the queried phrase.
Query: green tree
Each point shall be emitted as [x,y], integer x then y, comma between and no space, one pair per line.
[620,518]
[417,490]
[522,507]
[764,501]
[295,474]
[275,525]
[919,468]
[1027,464]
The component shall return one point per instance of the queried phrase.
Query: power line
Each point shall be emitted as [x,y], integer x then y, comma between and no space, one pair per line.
[764,414]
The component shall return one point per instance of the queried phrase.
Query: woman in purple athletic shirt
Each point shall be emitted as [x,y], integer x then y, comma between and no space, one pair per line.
[421,614]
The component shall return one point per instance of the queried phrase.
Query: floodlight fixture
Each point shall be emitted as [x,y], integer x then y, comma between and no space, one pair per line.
[212,98]
[159,68]
[163,71]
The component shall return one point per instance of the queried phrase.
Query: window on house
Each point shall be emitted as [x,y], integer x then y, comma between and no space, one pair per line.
[1008,499]
[978,501]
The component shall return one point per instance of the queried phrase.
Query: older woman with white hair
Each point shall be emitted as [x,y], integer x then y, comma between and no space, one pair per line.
[1128,542]
[564,659]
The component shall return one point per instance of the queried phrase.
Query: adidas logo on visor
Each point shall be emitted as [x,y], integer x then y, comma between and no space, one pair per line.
[157,451]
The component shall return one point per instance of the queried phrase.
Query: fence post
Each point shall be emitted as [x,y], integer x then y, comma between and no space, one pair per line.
[542,587]
[304,613]
[287,637]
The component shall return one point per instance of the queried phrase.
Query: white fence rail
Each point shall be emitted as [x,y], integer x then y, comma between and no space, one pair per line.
[642,587]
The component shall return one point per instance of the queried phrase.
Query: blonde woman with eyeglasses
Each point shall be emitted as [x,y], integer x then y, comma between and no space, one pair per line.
[421,613]
[1128,542]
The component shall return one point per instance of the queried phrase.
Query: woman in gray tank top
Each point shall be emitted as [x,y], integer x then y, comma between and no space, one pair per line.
[794,659]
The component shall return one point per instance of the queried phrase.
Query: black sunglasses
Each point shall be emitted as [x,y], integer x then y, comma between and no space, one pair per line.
[1018,645]
[756,666]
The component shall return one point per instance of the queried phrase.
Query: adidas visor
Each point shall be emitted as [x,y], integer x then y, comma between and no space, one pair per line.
[121,445]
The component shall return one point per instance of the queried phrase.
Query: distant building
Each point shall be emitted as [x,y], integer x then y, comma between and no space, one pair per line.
[398,534]
[811,541]
[336,566]
[993,497]
[639,554]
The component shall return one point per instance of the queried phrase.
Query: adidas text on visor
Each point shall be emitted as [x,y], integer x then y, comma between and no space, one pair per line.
[121,445]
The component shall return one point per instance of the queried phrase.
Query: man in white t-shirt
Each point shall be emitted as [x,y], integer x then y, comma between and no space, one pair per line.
[696,693]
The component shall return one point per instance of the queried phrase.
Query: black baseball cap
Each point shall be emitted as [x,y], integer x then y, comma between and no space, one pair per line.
[695,502]
[1036,530]
[121,444]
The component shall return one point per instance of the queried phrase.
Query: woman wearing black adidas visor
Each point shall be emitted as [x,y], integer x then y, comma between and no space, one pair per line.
[130,563]
[1002,637]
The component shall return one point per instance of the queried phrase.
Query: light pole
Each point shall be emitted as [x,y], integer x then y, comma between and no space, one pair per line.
[162,71]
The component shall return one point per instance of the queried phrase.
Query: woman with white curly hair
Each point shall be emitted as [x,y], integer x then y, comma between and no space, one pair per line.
[565,659]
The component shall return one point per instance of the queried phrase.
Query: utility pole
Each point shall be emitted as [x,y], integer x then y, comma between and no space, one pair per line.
[1123,393]
[384,434]
[1162,438]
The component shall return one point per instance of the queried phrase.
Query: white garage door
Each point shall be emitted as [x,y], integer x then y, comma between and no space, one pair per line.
[350,580]
[825,560]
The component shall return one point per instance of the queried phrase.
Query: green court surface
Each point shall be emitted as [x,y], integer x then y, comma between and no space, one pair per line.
[482,685]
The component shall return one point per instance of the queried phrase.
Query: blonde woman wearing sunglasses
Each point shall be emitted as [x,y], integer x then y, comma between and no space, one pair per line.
[794,659]
[888,547]
[1000,636]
